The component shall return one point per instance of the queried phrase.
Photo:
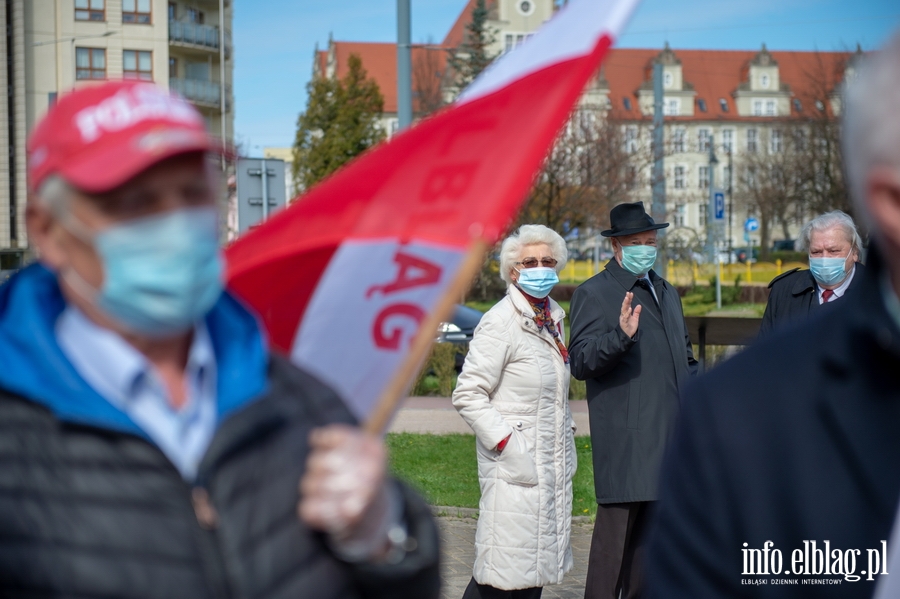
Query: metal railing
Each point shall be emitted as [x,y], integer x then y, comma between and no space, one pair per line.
[201,92]
[194,34]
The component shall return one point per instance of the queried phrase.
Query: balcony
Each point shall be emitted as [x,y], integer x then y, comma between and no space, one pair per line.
[194,35]
[201,93]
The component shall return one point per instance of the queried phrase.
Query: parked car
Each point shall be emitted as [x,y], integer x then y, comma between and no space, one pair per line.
[747,254]
[784,245]
[459,329]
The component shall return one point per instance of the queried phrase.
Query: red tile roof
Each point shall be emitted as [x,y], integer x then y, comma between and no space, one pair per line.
[380,62]
[717,74]
[455,36]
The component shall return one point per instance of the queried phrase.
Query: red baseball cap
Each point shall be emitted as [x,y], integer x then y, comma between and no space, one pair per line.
[99,137]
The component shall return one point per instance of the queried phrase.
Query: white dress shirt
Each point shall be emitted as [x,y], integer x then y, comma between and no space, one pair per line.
[125,378]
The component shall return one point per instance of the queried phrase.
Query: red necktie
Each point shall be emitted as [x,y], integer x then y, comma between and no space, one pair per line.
[826,295]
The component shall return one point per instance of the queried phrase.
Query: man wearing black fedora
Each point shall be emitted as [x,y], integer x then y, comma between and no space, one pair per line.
[630,344]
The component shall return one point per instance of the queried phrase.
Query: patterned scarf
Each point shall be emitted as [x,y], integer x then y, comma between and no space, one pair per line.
[543,320]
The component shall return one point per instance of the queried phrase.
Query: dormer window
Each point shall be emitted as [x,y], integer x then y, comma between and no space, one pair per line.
[627,103]
[797,105]
[701,104]
[723,104]
[820,105]
[764,81]
[672,107]
[667,80]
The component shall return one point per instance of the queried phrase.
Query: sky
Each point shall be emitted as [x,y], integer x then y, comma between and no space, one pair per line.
[274,40]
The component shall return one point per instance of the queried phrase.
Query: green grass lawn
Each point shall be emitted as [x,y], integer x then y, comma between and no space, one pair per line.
[444,469]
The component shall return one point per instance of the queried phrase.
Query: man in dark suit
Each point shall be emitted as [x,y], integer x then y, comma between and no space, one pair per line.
[784,473]
[834,248]
[630,343]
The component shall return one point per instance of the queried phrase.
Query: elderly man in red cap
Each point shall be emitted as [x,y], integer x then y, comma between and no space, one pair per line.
[151,445]
[630,344]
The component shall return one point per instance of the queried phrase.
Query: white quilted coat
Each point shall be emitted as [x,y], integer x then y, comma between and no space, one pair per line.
[514,381]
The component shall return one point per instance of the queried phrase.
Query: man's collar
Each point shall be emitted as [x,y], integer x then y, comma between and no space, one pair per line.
[625,278]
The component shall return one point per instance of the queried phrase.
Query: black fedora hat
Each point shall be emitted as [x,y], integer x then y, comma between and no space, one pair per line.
[628,219]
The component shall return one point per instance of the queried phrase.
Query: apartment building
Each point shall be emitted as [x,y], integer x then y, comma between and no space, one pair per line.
[56,45]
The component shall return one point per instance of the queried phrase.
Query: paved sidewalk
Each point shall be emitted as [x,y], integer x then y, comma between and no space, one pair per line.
[458,554]
[436,415]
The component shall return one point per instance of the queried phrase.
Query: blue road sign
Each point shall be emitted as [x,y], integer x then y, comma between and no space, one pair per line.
[751,224]
[719,205]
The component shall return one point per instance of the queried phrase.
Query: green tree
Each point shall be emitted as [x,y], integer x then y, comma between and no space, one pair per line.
[340,122]
[473,56]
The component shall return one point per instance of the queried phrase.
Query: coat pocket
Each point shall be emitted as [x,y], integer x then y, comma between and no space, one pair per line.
[633,409]
[515,463]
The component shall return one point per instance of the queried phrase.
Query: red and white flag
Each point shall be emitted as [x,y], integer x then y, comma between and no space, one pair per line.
[353,278]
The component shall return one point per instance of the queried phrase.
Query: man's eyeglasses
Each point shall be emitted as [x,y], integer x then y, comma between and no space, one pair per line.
[534,262]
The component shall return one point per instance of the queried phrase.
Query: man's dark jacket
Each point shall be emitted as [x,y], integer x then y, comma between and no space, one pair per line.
[794,440]
[90,507]
[632,384]
[794,297]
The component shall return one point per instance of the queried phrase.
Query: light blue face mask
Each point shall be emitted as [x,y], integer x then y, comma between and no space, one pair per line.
[828,271]
[161,273]
[537,282]
[638,259]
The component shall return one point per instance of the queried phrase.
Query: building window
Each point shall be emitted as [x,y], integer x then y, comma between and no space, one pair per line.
[672,107]
[667,80]
[703,140]
[703,177]
[679,215]
[173,68]
[526,7]
[194,15]
[751,140]
[797,105]
[701,104]
[728,140]
[626,102]
[751,177]
[136,11]
[678,140]
[775,141]
[726,177]
[90,10]
[723,104]
[704,214]
[770,107]
[764,81]
[631,139]
[679,177]
[800,140]
[90,63]
[757,107]
[137,64]
[173,11]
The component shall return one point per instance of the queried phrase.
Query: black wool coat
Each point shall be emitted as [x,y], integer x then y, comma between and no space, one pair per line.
[632,384]
[796,439]
[794,298]
[94,513]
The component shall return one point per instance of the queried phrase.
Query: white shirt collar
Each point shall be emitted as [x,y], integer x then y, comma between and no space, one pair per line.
[840,289]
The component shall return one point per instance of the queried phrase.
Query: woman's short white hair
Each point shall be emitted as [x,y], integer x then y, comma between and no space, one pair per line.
[531,235]
[823,222]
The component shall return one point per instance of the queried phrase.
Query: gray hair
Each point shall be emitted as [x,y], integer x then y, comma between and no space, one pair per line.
[871,127]
[531,235]
[826,221]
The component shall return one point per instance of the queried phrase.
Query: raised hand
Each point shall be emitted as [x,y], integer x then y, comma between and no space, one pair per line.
[628,317]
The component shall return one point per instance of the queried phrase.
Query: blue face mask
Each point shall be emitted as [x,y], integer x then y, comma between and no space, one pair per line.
[160,273]
[537,282]
[828,271]
[638,259]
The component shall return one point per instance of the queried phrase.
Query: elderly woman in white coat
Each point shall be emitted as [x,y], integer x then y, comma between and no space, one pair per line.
[513,392]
